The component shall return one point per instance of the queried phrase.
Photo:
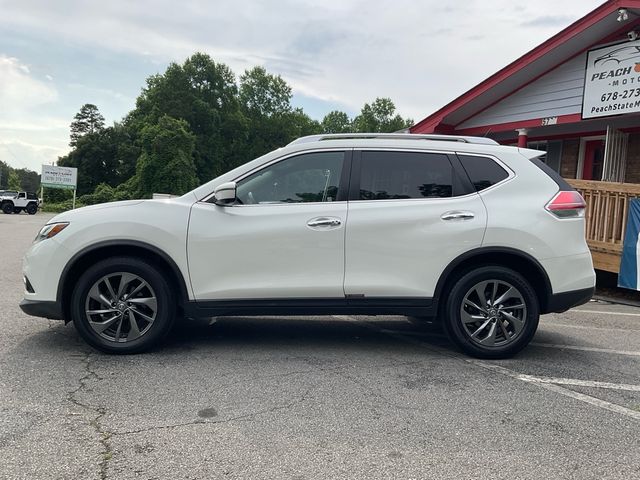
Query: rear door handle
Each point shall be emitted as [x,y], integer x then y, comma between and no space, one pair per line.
[324,222]
[457,215]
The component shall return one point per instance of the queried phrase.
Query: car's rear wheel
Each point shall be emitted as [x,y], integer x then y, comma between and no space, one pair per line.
[491,312]
[32,208]
[122,305]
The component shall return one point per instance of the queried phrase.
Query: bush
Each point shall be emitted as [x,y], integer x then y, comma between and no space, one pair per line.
[60,206]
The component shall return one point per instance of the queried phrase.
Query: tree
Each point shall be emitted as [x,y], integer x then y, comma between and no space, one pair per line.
[13,182]
[336,122]
[166,163]
[379,117]
[95,158]
[263,94]
[87,121]
[5,170]
[265,101]
[29,180]
[204,94]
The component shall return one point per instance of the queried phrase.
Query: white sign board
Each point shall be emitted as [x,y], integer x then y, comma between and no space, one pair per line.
[59,177]
[612,81]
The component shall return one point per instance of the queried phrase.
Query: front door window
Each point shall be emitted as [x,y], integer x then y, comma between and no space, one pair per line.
[310,177]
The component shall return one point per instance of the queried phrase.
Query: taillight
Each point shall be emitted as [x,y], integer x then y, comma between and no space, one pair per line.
[567,204]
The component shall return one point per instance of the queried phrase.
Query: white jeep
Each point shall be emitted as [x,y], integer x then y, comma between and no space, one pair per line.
[16,202]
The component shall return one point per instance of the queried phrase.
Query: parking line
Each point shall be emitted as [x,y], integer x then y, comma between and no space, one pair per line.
[560,346]
[580,383]
[605,312]
[545,323]
[542,381]
[612,407]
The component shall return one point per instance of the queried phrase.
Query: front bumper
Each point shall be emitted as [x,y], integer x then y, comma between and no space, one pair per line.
[561,302]
[41,308]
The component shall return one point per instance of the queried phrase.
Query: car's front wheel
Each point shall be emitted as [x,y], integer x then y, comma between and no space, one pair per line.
[122,305]
[491,312]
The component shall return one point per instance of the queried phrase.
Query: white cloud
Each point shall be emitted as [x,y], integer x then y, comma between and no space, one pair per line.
[19,91]
[421,54]
[29,136]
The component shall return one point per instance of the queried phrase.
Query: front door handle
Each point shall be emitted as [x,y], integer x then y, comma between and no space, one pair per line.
[324,222]
[457,215]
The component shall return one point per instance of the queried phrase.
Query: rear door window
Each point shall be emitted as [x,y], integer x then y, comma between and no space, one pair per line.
[389,175]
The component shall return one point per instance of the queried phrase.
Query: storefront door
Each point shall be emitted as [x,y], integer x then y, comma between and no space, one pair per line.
[593,160]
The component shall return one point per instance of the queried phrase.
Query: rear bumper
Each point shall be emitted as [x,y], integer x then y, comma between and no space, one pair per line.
[41,308]
[561,302]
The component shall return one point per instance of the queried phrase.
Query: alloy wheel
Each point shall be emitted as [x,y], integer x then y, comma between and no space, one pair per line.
[121,307]
[493,313]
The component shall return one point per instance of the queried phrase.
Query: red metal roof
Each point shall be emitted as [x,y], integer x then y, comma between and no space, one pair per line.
[598,26]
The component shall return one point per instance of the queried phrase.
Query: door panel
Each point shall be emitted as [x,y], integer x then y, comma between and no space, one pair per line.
[284,238]
[266,251]
[400,247]
[410,215]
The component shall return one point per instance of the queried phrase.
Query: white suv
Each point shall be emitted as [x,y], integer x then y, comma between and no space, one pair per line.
[484,237]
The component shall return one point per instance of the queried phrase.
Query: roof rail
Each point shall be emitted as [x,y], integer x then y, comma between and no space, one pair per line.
[394,136]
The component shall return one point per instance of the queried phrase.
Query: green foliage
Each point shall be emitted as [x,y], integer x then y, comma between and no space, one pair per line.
[13,182]
[204,94]
[56,195]
[87,121]
[60,206]
[379,118]
[166,163]
[107,156]
[29,180]
[263,94]
[191,124]
[336,122]
[265,102]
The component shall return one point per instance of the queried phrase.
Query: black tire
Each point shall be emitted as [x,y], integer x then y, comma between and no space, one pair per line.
[32,208]
[156,331]
[7,207]
[461,333]
[17,210]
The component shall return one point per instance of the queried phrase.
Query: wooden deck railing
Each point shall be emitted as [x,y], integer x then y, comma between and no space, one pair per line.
[606,219]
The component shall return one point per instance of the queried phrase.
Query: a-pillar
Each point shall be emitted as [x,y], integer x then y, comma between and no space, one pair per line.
[522,137]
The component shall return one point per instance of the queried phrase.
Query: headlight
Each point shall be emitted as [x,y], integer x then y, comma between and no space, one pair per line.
[50,230]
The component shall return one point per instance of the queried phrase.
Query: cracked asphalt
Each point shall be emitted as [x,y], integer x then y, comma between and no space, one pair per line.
[315,398]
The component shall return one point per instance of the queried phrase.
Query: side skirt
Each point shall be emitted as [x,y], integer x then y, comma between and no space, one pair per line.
[313,306]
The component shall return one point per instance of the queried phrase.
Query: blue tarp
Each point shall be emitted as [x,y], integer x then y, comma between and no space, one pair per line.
[628,276]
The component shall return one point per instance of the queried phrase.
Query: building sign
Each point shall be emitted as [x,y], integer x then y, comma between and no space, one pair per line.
[612,81]
[59,177]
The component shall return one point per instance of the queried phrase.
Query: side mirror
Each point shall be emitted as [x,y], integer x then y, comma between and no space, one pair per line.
[225,194]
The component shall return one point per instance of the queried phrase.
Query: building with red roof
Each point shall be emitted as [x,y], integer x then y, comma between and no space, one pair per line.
[576,96]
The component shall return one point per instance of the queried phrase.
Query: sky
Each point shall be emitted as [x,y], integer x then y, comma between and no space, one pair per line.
[57,55]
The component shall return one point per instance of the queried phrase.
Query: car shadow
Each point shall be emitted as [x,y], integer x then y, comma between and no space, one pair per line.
[365,334]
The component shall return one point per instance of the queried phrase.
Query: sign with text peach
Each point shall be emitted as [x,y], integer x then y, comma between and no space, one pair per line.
[612,81]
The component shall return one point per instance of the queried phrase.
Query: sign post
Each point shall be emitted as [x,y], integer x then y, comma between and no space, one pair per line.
[59,177]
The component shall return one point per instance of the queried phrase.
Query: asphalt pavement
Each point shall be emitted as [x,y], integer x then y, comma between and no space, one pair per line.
[315,398]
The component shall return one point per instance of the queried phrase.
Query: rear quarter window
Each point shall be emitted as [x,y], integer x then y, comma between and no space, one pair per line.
[482,171]
[555,176]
